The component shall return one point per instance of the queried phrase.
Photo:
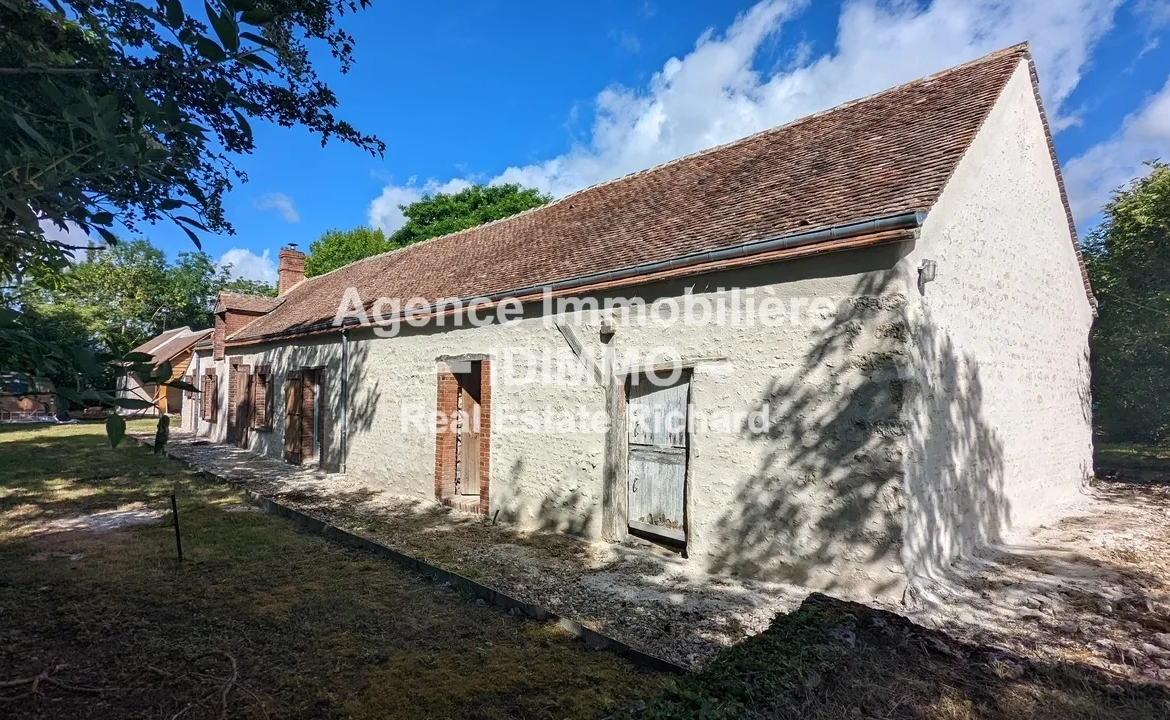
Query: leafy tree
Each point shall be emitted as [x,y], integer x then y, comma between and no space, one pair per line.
[430,217]
[117,298]
[246,287]
[444,213]
[120,112]
[336,248]
[1128,258]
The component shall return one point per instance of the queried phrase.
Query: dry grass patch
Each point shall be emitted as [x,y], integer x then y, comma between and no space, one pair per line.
[279,623]
[834,659]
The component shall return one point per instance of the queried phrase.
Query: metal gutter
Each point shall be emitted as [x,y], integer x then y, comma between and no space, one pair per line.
[901,221]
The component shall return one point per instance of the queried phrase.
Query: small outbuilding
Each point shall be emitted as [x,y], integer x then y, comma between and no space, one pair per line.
[172,346]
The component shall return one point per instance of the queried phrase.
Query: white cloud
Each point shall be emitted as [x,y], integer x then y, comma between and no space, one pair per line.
[1144,135]
[248,265]
[281,203]
[1156,13]
[718,92]
[384,211]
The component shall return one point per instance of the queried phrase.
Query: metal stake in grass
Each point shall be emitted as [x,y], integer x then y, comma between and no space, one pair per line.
[178,538]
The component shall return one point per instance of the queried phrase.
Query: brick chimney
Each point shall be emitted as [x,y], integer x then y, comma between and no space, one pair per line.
[291,270]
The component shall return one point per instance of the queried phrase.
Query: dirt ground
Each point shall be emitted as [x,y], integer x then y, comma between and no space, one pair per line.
[99,619]
[1092,588]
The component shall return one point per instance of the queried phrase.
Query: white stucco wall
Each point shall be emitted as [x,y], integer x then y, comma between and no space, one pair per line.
[911,428]
[810,493]
[1000,426]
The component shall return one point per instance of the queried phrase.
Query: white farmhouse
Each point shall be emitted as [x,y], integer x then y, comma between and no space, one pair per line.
[886,363]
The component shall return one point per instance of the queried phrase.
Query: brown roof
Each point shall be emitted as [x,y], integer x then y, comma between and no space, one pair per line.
[150,345]
[885,154]
[245,303]
[170,343]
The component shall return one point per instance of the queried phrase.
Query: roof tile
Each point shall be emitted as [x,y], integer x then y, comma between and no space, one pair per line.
[885,154]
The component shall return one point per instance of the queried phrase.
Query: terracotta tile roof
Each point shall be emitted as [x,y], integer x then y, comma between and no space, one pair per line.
[245,303]
[885,154]
[170,343]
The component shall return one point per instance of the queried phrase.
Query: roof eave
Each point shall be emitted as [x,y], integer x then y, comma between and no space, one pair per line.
[824,240]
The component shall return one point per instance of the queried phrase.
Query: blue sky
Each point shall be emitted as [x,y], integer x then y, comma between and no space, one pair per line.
[561,96]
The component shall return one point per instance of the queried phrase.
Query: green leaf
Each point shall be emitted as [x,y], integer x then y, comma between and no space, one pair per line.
[28,130]
[164,371]
[193,236]
[208,49]
[115,429]
[256,61]
[259,40]
[137,357]
[225,27]
[174,10]
[108,236]
[243,123]
[180,385]
[191,221]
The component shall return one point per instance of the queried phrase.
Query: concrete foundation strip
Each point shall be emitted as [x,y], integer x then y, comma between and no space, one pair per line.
[592,639]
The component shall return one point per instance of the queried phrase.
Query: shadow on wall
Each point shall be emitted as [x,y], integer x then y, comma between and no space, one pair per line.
[560,510]
[365,393]
[877,459]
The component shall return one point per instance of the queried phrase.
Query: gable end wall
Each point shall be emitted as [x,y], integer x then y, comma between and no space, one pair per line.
[999,420]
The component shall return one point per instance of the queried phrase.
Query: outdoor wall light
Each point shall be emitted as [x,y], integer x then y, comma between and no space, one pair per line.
[926,273]
[607,329]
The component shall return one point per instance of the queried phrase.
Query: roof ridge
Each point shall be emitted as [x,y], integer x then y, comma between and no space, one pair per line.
[670,211]
[1022,48]
[1017,48]
[249,295]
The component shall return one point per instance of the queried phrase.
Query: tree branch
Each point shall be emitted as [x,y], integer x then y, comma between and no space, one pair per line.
[182,69]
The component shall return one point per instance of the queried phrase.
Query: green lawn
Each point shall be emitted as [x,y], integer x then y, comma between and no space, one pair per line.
[117,628]
[1123,455]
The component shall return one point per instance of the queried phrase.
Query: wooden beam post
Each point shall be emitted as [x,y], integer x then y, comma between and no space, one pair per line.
[614,464]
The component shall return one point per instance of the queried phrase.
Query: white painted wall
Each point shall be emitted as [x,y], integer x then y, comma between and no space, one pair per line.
[777,501]
[1000,427]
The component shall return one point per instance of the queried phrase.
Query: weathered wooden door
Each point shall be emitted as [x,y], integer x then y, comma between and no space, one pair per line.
[310,415]
[243,409]
[657,420]
[467,470]
[293,412]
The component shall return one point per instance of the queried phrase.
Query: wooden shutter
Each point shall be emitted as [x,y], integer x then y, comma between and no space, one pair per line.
[308,413]
[292,417]
[261,409]
[208,399]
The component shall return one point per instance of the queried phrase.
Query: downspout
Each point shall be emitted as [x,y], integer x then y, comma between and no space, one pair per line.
[344,396]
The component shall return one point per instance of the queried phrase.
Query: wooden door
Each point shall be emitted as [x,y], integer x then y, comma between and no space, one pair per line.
[657,422]
[310,413]
[293,387]
[467,468]
[243,409]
